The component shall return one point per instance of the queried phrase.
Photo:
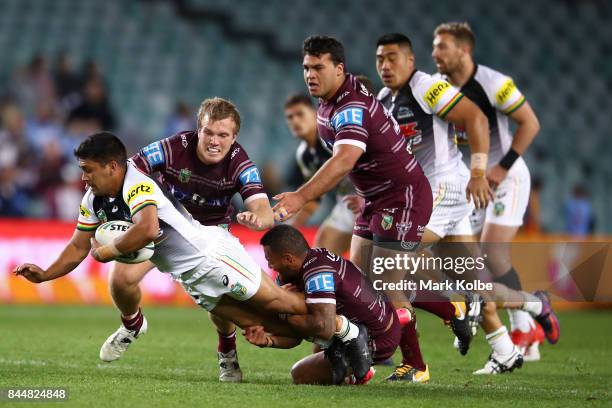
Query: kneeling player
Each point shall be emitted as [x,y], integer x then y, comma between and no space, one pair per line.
[331,284]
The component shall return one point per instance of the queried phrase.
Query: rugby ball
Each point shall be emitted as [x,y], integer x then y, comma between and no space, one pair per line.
[108,231]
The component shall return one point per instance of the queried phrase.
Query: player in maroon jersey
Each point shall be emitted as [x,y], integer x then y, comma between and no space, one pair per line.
[368,146]
[332,285]
[203,169]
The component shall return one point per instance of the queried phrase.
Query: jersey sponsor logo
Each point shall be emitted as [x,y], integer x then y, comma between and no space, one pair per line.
[184,175]
[413,135]
[499,208]
[102,215]
[184,141]
[435,92]
[84,211]
[238,289]
[348,116]
[505,92]
[342,96]
[308,262]
[364,90]
[154,154]
[139,189]
[321,282]
[250,175]
[234,153]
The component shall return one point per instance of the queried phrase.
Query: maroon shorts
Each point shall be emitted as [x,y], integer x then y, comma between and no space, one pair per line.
[397,216]
[383,346]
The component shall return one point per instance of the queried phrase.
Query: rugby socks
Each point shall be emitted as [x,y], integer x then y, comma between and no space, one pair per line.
[520,320]
[436,304]
[347,330]
[227,342]
[409,345]
[500,341]
[134,322]
[532,304]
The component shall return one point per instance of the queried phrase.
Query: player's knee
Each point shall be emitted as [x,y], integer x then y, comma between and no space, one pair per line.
[121,281]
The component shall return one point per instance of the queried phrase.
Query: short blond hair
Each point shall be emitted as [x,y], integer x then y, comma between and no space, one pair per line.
[218,109]
[460,30]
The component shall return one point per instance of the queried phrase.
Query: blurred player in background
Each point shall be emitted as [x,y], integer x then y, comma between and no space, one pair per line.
[203,170]
[499,99]
[422,106]
[336,231]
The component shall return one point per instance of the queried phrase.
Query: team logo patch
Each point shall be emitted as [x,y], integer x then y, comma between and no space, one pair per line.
[184,175]
[238,289]
[321,282]
[250,175]
[102,215]
[435,92]
[84,211]
[404,112]
[498,208]
[139,189]
[387,222]
[505,91]
[349,116]
[154,154]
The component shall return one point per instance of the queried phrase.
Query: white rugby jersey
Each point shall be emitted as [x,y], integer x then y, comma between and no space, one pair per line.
[420,108]
[182,240]
[497,96]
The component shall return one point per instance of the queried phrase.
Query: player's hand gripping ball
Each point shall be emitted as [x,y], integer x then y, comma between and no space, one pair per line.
[108,231]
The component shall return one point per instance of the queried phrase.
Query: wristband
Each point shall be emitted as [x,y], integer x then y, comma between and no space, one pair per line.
[508,160]
[478,164]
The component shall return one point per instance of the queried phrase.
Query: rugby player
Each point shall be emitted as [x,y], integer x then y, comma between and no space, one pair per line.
[499,99]
[202,169]
[367,145]
[331,285]
[336,231]
[210,263]
[422,105]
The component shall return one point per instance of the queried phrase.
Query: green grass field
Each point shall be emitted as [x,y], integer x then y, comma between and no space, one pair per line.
[175,364]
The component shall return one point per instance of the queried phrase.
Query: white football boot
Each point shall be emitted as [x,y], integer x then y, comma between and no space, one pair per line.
[502,364]
[119,341]
[229,369]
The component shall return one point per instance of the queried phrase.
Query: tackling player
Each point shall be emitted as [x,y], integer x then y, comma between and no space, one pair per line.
[499,98]
[210,263]
[202,169]
[331,284]
[336,231]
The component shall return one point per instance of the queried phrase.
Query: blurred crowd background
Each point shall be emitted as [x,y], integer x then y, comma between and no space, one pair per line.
[141,68]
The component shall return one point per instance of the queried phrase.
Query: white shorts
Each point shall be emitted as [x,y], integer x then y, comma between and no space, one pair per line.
[229,271]
[511,199]
[340,218]
[451,209]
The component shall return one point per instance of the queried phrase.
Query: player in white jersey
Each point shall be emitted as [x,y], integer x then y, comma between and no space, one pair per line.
[499,98]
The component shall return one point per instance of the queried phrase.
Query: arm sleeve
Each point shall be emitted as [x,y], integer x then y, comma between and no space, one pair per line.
[508,98]
[87,221]
[246,176]
[320,284]
[153,157]
[140,193]
[437,96]
[350,124]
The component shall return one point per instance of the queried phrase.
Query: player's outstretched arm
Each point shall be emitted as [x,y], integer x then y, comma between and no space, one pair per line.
[74,253]
[468,116]
[327,177]
[258,216]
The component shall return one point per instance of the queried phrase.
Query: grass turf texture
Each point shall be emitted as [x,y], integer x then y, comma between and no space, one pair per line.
[175,364]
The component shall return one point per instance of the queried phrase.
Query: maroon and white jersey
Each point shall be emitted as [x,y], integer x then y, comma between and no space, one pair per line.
[328,278]
[205,190]
[354,116]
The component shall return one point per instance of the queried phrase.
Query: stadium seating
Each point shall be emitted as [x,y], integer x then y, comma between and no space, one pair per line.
[152,55]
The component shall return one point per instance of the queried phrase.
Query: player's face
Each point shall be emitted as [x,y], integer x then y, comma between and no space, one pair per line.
[447,54]
[281,264]
[301,120]
[215,139]
[97,176]
[394,65]
[322,76]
